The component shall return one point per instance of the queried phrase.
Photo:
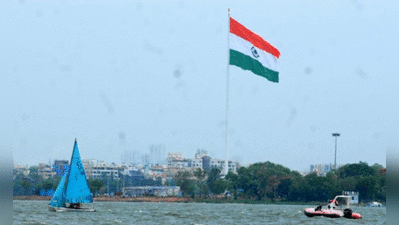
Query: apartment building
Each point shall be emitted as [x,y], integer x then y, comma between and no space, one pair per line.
[20,169]
[201,161]
[323,169]
[46,171]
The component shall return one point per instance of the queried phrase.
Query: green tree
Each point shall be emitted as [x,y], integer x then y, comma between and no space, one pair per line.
[19,185]
[356,170]
[34,174]
[185,182]
[369,181]
[246,182]
[95,185]
[232,186]
[233,179]
[377,167]
[268,177]
[202,188]
[47,185]
[381,186]
[213,175]
[220,186]
[366,186]
[316,188]
[347,184]
[26,185]
[296,192]
[296,189]
[332,180]
[284,187]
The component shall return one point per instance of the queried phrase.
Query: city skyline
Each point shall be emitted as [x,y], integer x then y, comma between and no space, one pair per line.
[139,157]
[320,168]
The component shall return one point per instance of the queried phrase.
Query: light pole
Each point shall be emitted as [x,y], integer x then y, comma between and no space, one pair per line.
[335,158]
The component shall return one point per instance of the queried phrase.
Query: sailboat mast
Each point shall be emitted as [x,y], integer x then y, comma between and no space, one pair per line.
[226,165]
[69,169]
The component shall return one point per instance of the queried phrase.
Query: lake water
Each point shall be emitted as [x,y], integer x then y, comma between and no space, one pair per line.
[36,212]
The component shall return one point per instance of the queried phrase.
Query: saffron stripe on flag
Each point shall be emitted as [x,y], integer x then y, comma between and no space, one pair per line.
[241,31]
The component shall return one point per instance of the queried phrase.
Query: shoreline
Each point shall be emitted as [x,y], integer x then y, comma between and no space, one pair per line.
[114,199]
[171,199]
[175,199]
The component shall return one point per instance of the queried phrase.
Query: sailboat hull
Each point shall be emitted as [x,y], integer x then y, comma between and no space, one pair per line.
[64,209]
[56,209]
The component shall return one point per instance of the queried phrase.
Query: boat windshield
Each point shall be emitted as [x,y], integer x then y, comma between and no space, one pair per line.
[342,202]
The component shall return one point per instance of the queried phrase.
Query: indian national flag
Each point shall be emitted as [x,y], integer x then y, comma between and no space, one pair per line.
[250,52]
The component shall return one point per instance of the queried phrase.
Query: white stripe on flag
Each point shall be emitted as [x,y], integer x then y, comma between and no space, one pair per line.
[266,59]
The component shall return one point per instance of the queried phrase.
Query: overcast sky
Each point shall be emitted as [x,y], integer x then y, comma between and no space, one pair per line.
[123,75]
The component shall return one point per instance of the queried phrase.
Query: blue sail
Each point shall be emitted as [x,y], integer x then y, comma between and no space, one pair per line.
[58,199]
[77,190]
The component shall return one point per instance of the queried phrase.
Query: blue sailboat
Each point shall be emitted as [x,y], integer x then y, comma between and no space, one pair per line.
[73,190]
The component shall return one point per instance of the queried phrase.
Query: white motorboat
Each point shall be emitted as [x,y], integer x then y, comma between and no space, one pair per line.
[336,208]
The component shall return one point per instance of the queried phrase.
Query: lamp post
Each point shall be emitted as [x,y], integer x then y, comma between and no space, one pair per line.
[335,158]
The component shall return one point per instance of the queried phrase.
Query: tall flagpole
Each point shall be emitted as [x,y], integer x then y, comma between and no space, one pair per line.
[226,164]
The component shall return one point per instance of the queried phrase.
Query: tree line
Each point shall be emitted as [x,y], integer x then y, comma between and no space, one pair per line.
[269,181]
[259,181]
[33,183]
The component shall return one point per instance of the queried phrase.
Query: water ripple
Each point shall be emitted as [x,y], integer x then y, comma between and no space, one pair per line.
[36,212]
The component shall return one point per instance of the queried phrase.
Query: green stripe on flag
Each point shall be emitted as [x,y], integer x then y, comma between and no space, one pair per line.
[247,63]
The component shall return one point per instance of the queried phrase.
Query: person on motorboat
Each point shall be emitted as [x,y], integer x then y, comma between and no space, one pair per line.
[333,201]
[332,204]
[318,208]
